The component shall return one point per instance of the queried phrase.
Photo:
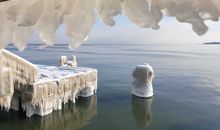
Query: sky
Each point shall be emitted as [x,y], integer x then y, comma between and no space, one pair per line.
[125,32]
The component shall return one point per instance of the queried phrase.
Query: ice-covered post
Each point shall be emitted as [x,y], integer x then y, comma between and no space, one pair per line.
[142,81]
[63,60]
[72,62]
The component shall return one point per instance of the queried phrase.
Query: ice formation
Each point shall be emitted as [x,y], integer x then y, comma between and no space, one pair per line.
[65,62]
[142,81]
[78,16]
[6,88]
[56,86]
[41,89]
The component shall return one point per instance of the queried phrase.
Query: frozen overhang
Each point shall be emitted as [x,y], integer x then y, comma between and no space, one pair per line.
[19,18]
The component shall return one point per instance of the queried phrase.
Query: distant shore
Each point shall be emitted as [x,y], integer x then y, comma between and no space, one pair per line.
[212,43]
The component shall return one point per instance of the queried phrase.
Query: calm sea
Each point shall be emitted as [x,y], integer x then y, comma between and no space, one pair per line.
[186,87]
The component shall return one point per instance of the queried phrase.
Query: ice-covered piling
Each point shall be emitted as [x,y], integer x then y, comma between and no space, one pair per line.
[63,60]
[142,81]
[70,63]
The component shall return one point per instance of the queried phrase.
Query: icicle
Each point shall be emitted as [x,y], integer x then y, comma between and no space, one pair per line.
[79,22]
[6,87]
[138,12]
[149,5]
[18,18]
[108,9]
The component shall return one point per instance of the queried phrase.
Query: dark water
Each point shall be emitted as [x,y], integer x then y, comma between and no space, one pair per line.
[186,87]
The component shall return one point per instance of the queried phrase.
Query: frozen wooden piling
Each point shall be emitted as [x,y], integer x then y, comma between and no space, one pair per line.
[142,81]
[39,89]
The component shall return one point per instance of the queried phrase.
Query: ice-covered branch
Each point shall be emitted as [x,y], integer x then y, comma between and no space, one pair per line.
[19,18]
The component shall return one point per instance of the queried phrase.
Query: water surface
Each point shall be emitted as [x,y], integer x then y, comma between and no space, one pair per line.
[186,87]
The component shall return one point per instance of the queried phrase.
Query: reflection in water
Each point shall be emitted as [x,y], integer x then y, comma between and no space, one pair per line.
[71,117]
[141,109]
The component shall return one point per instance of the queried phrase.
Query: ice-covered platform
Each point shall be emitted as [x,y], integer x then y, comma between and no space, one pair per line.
[40,89]
[56,86]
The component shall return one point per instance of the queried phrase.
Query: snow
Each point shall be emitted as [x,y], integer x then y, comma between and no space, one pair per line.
[142,81]
[20,18]
[54,73]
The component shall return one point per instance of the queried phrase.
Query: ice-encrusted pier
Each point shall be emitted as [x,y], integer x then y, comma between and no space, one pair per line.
[39,89]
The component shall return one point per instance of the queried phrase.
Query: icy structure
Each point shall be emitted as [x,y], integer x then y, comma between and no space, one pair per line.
[65,62]
[41,89]
[15,74]
[19,18]
[6,88]
[141,109]
[23,71]
[142,81]
[56,86]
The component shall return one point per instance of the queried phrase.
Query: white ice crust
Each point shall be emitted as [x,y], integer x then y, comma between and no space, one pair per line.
[142,81]
[19,18]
